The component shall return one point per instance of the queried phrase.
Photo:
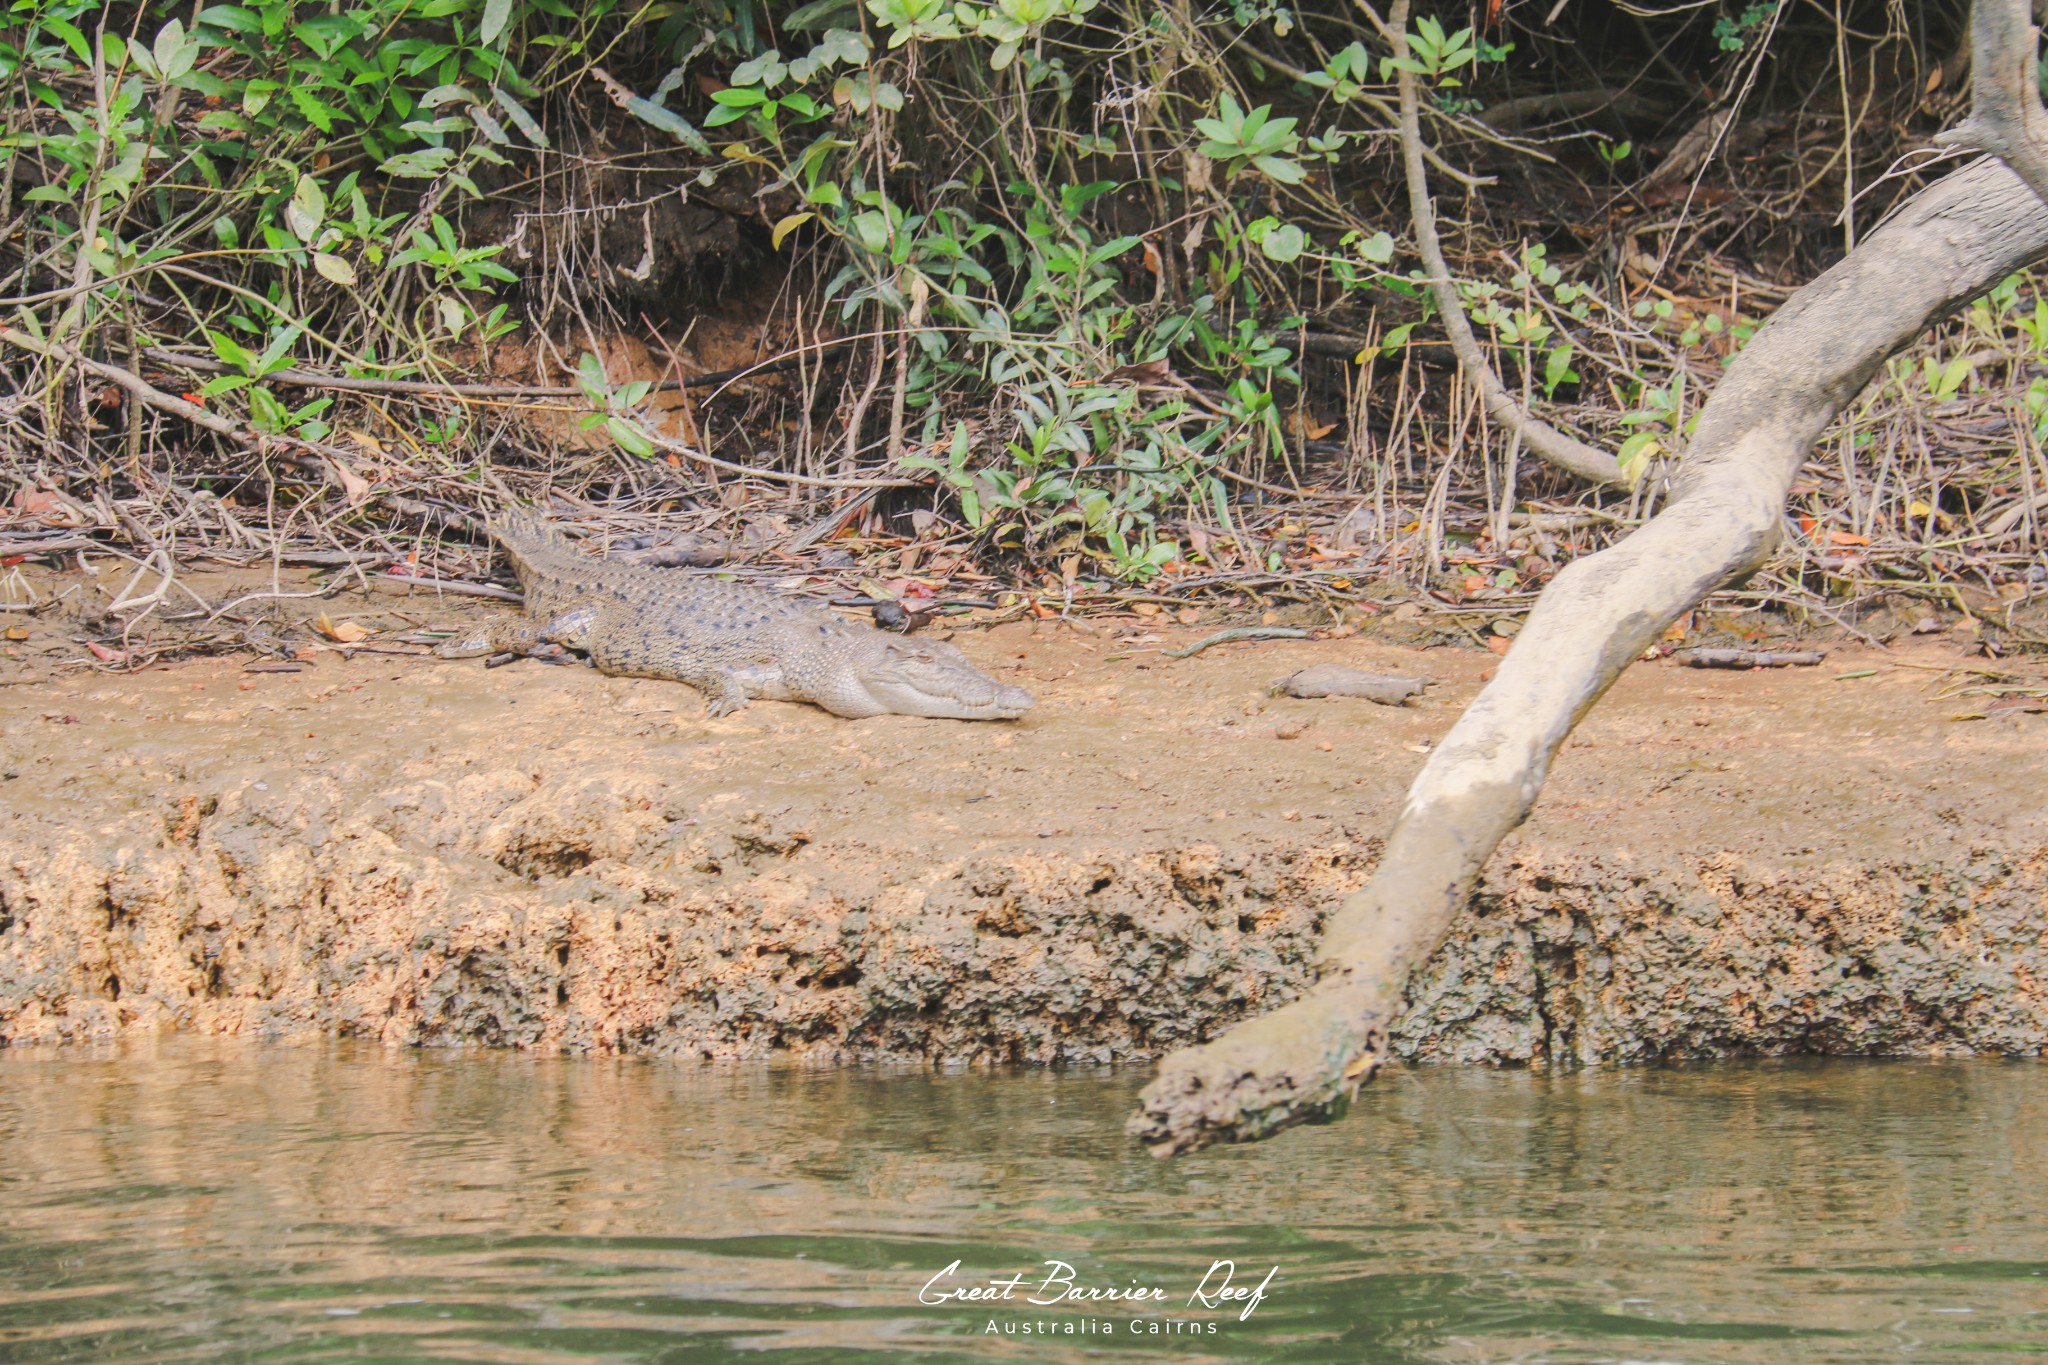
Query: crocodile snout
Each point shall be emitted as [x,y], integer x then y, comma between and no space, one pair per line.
[951,693]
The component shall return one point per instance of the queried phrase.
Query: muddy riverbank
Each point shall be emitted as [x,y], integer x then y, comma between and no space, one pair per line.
[432,853]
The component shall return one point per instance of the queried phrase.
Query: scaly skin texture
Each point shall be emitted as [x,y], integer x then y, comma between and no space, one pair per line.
[731,642]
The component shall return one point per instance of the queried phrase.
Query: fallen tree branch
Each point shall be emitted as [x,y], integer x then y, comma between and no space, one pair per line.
[133,383]
[152,396]
[1566,452]
[1236,633]
[1945,247]
[31,549]
[1749,658]
[453,585]
[425,388]
[214,422]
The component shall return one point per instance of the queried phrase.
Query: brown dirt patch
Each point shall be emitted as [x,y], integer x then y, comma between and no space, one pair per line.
[430,852]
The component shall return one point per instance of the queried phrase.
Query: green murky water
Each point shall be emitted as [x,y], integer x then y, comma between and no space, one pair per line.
[209,1202]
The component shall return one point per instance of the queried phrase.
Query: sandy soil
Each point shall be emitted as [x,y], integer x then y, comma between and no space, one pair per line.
[537,856]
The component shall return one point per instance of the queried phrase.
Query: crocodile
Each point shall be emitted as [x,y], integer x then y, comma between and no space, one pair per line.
[731,641]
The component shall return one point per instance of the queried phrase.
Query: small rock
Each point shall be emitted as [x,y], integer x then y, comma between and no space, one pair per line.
[1334,680]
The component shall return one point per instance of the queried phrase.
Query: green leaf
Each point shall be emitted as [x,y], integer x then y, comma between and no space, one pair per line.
[872,229]
[521,120]
[1635,454]
[630,437]
[231,17]
[497,13]
[590,377]
[1557,368]
[675,125]
[334,268]
[420,165]
[766,70]
[819,14]
[840,45]
[266,414]
[1280,169]
[1283,243]
[305,210]
[786,226]
[233,352]
[316,113]
[169,39]
[73,39]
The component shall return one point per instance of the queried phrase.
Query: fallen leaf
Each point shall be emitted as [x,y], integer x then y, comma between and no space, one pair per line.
[353,485]
[1845,538]
[1150,372]
[1499,644]
[343,632]
[33,502]
[17,632]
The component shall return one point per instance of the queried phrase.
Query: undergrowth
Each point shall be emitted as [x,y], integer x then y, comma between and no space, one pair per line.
[1123,291]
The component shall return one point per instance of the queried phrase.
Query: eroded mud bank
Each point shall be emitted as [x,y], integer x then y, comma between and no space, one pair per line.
[539,857]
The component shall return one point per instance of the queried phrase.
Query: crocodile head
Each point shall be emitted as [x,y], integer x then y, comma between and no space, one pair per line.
[930,678]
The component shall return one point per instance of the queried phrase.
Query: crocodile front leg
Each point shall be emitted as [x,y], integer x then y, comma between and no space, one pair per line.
[724,694]
[521,635]
[727,677]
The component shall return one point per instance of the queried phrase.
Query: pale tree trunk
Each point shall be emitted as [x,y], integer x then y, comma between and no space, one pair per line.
[1946,247]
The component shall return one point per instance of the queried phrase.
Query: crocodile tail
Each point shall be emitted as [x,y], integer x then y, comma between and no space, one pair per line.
[529,538]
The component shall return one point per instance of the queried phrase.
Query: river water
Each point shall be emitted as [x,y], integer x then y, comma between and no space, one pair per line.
[187,1200]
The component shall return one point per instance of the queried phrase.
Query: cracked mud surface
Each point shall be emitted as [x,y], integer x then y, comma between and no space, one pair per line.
[433,853]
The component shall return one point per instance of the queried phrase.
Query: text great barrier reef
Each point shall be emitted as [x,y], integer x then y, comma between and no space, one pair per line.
[1221,1287]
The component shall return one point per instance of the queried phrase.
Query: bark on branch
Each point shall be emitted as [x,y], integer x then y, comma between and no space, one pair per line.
[1947,246]
[2006,117]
